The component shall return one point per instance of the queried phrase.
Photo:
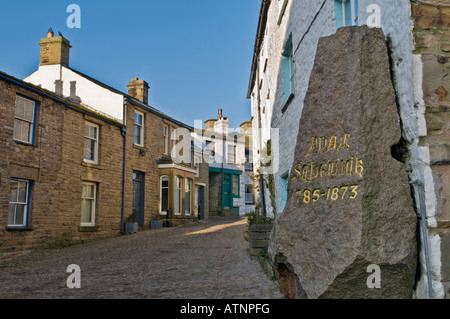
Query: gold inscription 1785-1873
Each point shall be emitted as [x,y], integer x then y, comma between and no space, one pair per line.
[312,170]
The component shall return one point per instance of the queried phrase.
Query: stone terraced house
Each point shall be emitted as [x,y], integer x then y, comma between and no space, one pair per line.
[81,160]
[418,35]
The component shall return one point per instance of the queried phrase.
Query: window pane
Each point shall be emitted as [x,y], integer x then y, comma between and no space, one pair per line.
[137,135]
[86,211]
[17,130]
[84,191]
[88,150]
[19,106]
[165,199]
[13,187]
[20,215]
[22,195]
[28,112]
[177,201]
[11,214]
[26,132]
[94,132]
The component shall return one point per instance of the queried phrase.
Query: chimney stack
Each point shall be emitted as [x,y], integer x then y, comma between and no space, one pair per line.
[220,114]
[139,90]
[54,50]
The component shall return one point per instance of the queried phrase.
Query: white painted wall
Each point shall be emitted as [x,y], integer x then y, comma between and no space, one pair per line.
[91,94]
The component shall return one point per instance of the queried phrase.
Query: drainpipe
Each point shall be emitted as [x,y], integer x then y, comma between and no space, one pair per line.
[123,130]
[422,215]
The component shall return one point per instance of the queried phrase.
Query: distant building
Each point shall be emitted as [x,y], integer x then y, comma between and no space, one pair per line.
[228,154]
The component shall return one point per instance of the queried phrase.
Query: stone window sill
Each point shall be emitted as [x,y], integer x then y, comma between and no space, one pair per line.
[88,229]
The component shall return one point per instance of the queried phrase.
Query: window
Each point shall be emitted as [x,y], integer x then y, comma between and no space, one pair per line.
[249,199]
[164,195]
[187,197]
[138,128]
[24,120]
[177,206]
[236,185]
[19,199]
[231,154]
[283,190]
[346,13]
[91,143]
[288,70]
[88,204]
[166,139]
[210,149]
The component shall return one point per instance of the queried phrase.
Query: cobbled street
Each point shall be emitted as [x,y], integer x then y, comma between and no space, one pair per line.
[204,260]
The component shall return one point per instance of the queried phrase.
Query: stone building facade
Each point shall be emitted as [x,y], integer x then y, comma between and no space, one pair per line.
[83,160]
[416,31]
[228,156]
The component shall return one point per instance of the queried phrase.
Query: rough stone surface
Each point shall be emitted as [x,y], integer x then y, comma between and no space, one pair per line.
[349,201]
[204,260]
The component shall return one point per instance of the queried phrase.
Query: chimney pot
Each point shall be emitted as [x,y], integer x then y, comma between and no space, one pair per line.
[50,33]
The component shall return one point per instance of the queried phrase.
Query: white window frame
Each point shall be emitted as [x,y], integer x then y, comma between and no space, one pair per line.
[140,127]
[93,204]
[92,139]
[178,181]
[26,203]
[22,120]
[164,212]
[188,194]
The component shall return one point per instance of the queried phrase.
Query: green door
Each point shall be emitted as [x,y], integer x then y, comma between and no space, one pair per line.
[227,192]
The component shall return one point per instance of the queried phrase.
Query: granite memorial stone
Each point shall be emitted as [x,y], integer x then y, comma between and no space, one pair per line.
[349,207]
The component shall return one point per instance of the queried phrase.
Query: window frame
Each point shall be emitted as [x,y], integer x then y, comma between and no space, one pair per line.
[27,205]
[342,8]
[141,129]
[96,140]
[32,132]
[93,205]
[236,194]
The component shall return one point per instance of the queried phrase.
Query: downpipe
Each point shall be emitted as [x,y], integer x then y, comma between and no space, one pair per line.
[421,214]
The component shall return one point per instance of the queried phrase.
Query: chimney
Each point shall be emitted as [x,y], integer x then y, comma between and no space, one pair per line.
[54,50]
[220,114]
[139,90]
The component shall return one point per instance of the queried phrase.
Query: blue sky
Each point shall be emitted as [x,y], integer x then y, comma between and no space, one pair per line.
[195,54]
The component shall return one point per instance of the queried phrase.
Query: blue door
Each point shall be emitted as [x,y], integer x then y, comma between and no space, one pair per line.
[227,192]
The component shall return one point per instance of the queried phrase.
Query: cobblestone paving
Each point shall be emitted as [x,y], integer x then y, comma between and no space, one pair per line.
[205,260]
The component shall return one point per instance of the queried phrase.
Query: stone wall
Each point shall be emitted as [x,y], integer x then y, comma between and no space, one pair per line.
[107,175]
[38,163]
[432,49]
